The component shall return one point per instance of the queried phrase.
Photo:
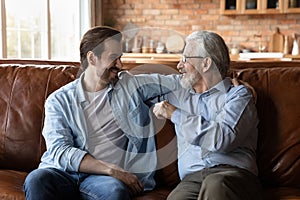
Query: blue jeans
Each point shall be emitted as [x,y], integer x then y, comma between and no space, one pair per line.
[56,184]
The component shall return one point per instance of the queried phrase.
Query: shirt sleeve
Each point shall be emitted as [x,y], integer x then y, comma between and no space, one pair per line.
[154,85]
[229,127]
[59,138]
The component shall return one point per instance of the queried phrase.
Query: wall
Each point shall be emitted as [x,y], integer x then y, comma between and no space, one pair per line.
[186,16]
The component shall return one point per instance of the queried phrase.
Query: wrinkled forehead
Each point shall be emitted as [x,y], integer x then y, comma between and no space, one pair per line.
[195,47]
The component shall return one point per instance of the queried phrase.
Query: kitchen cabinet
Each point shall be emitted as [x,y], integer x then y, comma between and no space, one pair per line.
[291,6]
[272,6]
[230,7]
[242,7]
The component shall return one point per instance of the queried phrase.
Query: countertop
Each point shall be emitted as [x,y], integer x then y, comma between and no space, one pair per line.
[169,58]
[132,60]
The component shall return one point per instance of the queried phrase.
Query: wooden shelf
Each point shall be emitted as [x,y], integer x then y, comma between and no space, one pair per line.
[132,60]
[292,57]
[175,58]
[287,57]
[151,60]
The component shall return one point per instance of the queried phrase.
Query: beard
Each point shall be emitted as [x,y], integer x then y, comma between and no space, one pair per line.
[110,75]
[189,81]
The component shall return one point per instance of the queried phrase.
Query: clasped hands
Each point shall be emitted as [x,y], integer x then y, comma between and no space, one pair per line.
[163,110]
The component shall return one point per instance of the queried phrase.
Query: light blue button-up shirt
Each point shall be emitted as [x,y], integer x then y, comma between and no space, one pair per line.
[65,128]
[216,127]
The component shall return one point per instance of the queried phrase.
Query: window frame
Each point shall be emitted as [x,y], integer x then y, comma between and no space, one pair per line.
[89,9]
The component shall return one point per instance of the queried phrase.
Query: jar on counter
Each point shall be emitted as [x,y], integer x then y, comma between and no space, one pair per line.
[160,47]
[151,46]
[234,50]
[145,49]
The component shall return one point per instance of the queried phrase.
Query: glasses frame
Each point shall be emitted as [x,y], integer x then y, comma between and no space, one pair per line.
[183,58]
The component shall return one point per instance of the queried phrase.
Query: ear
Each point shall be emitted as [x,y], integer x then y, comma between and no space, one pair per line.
[91,58]
[206,64]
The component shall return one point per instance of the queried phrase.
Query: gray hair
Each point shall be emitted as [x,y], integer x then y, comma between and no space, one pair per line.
[210,44]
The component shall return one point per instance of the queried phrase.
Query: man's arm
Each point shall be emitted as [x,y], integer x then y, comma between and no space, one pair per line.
[92,166]
[149,86]
[223,133]
[62,153]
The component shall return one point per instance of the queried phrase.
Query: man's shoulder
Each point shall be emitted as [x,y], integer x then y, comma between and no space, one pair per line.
[65,90]
[240,91]
[125,73]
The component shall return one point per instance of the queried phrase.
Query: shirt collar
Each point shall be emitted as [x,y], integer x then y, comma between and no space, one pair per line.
[80,91]
[223,86]
[83,100]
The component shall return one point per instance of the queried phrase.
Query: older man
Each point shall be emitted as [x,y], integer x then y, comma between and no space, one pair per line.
[216,125]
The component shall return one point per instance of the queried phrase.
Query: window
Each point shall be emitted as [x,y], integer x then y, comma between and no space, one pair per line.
[43,29]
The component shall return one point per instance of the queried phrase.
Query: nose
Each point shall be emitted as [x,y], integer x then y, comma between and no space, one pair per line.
[180,65]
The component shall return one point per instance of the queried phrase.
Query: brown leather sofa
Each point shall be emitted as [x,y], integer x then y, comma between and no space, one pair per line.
[24,86]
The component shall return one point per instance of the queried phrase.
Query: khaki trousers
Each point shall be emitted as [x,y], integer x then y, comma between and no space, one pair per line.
[218,183]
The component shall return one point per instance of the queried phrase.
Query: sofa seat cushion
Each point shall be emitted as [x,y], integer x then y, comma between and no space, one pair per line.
[282,193]
[11,187]
[160,193]
[11,184]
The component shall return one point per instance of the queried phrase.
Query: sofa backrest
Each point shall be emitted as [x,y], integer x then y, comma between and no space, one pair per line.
[23,90]
[278,104]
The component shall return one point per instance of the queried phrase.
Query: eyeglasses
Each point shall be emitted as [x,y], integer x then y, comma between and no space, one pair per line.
[183,59]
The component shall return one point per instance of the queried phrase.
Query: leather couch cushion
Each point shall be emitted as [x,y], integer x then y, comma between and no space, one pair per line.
[22,95]
[166,142]
[282,193]
[11,184]
[278,92]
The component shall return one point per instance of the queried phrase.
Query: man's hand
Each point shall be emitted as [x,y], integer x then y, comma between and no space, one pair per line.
[163,110]
[134,185]
[237,82]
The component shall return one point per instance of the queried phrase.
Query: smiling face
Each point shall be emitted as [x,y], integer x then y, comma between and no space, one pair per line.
[109,63]
[191,74]
[103,68]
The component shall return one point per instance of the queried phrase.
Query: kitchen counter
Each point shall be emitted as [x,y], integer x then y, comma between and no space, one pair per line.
[150,57]
[266,56]
[131,60]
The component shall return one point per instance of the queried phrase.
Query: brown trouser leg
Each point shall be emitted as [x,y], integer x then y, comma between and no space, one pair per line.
[218,183]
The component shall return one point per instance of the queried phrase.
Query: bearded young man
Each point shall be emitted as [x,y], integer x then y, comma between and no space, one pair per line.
[98,131]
